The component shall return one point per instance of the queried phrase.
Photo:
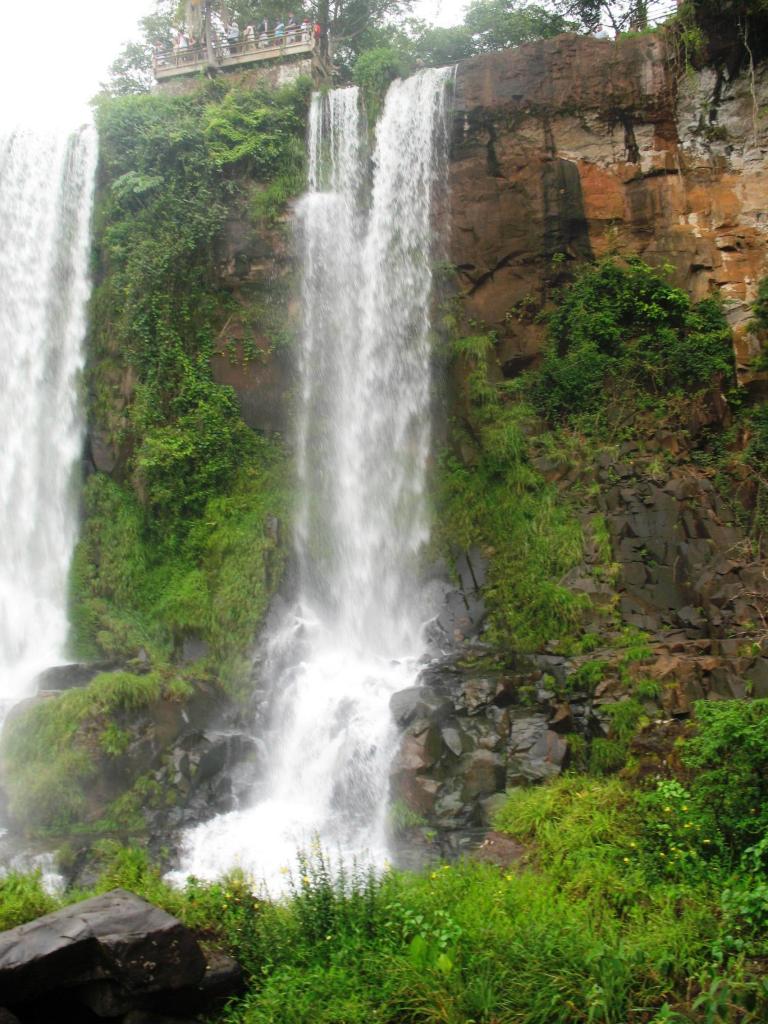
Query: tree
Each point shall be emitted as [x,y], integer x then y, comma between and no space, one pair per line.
[621,15]
[499,24]
[436,46]
[131,72]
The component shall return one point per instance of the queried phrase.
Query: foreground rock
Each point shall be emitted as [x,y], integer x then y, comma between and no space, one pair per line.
[114,956]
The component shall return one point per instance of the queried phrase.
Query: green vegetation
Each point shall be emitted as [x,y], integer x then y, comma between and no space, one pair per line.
[497,500]
[374,70]
[182,540]
[587,676]
[632,905]
[131,591]
[168,164]
[722,32]
[627,354]
[729,758]
[52,751]
[621,333]
[22,899]
[759,320]
[387,51]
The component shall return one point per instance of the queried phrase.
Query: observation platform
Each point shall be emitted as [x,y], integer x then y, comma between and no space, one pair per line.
[191,60]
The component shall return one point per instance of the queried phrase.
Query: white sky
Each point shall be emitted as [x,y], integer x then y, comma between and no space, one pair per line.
[56,52]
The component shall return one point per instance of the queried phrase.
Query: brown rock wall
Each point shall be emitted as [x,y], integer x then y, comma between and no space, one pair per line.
[582,147]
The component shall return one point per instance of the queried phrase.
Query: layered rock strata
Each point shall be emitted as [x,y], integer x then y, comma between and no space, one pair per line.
[576,147]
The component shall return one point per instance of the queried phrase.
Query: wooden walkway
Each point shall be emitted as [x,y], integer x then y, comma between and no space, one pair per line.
[192,60]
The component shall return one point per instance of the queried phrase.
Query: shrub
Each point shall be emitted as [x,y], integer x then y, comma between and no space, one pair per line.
[168,166]
[621,324]
[50,751]
[759,321]
[680,839]
[606,756]
[729,756]
[374,70]
[587,676]
[23,898]
[256,130]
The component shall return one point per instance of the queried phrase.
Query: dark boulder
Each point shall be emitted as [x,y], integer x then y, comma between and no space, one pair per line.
[109,954]
[69,677]
[500,849]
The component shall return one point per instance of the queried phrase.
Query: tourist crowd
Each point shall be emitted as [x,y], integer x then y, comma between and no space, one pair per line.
[229,40]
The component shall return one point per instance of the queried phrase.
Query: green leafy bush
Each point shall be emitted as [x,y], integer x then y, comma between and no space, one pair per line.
[374,70]
[621,324]
[680,839]
[587,676]
[258,129]
[49,752]
[729,758]
[22,899]
[170,167]
[759,321]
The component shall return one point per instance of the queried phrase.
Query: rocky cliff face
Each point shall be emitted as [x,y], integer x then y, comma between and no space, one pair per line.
[567,150]
[573,148]
[563,150]
[581,147]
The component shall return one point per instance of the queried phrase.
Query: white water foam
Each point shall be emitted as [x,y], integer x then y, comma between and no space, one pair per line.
[363,439]
[46,186]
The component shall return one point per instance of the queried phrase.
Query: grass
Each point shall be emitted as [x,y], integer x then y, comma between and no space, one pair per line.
[586,931]
[130,591]
[51,752]
[502,504]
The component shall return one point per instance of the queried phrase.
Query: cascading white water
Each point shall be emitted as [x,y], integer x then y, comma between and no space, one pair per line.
[46,184]
[363,439]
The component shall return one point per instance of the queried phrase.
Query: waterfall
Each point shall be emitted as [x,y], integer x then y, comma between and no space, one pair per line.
[363,438]
[46,184]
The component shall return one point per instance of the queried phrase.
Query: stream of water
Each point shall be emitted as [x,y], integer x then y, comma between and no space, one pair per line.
[46,185]
[363,440]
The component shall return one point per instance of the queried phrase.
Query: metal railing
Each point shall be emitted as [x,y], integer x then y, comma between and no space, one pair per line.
[187,58]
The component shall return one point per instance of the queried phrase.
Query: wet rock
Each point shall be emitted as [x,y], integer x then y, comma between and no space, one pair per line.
[536,752]
[417,702]
[420,751]
[70,677]
[193,649]
[497,848]
[483,774]
[454,739]
[110,954]
[757,677]
[562,719]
